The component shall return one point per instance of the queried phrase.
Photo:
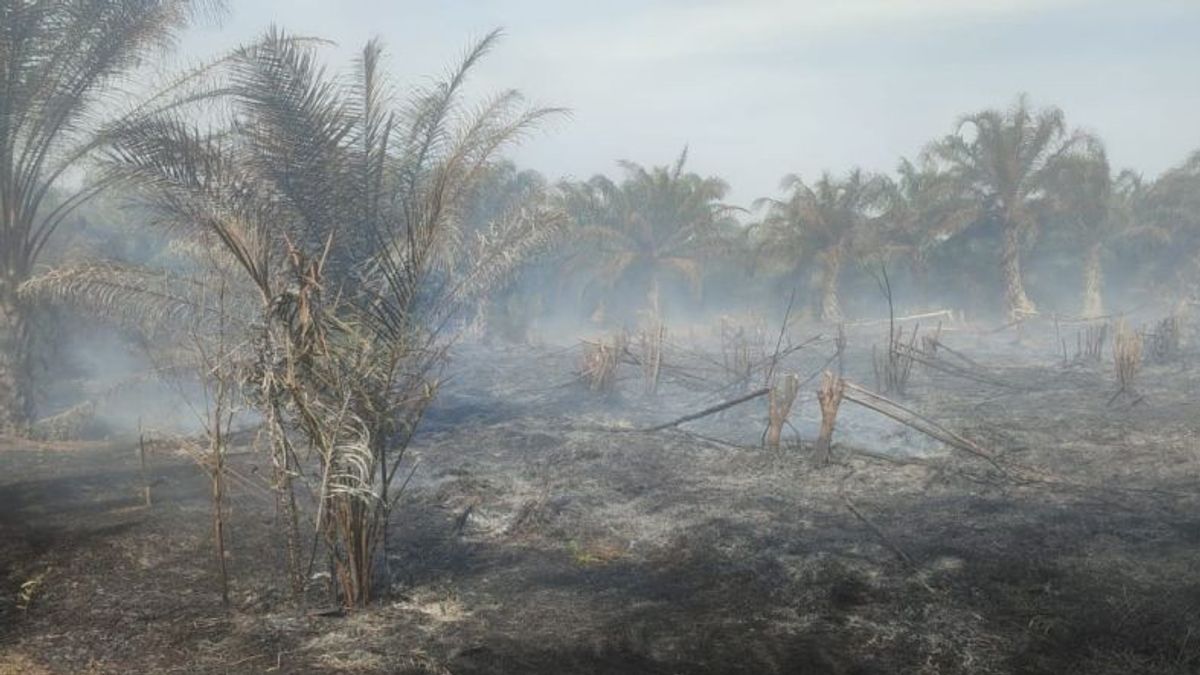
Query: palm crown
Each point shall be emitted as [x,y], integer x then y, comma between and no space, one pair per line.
[655,223]
[822,223]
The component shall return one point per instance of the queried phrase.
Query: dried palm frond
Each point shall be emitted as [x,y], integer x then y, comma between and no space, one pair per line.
[131,295]
[67,425]
[65,71]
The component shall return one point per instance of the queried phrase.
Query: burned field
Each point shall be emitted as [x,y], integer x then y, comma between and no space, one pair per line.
[544,529]
[312,363]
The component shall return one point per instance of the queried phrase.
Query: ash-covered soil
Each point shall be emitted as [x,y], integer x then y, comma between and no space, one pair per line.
[543,533]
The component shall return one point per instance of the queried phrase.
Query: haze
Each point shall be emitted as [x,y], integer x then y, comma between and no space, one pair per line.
[763,88]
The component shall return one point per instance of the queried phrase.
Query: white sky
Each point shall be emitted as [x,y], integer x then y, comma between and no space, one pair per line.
[761,88]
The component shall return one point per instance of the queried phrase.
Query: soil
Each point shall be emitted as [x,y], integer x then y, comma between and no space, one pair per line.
[543,533]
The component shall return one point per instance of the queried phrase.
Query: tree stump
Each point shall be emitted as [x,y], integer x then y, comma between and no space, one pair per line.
[829,396]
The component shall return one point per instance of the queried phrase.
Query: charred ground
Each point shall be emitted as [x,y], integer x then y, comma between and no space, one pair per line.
[542,533]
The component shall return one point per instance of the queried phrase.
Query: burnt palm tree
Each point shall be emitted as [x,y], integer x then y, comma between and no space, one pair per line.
[821,225]
[655,225]
[1002,160]
[61,62]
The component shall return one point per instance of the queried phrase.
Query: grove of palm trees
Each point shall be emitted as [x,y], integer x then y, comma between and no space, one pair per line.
[305,369]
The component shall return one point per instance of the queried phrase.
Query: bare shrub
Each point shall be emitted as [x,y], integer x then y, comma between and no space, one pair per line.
[894,367]
[1089,343]
[735,353]
[742,346]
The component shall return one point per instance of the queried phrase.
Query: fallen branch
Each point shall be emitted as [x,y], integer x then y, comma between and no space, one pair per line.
[707,411]
[883,538]
[940,314]
[953,369]
[911,418]
[779,341]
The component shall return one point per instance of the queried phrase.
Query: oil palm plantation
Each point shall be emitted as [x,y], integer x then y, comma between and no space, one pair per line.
[819,226]
[656,225]
[61,62]
[1002,160]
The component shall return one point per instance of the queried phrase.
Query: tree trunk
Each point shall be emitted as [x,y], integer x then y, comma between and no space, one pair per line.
[1017,303]
[831,307]
[1093,281]
[654,297]
[16,370]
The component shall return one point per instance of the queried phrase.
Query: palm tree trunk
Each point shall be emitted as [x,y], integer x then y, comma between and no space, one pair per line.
[831,307]
[1017,303]
[16,371]
[1093,281]
[655,296]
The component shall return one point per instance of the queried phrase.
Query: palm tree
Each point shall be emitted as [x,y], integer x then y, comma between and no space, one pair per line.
[328,217]
[1172,204]
[655,224]
[1097,209]
[924,209]
[60,64]
[1001,160]
[822,224]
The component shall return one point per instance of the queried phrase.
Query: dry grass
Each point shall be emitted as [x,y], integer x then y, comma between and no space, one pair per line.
[894,368]
[1127,357]
[600,361]
[16,663]
[742,345]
